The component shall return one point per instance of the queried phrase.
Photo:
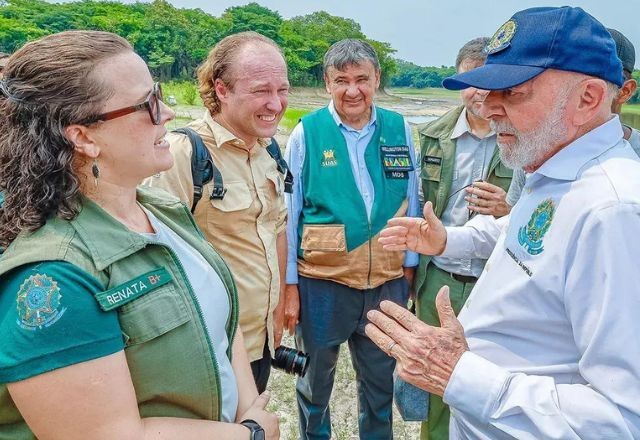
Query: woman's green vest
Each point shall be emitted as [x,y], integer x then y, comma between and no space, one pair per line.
[170,357]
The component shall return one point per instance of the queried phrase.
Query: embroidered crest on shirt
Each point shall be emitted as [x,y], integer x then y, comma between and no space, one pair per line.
[530,236]
[38,303]
[329,158]
[501,38]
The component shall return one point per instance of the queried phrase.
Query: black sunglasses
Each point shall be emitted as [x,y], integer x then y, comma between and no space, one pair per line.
[151,104]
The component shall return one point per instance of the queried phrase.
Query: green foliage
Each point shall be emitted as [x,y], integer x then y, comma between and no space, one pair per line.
[253,17]
[412,75]
[174,41]
[190,93]
[185,92]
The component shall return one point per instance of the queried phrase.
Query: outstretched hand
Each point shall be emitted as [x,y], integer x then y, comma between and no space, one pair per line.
[425,355]
[423,235]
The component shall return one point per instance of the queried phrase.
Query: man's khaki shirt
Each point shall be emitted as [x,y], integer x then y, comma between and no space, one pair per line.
[243,226]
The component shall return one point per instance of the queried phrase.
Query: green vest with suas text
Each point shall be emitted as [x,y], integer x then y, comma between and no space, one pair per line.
[437,162]
[170,356]
[336,239]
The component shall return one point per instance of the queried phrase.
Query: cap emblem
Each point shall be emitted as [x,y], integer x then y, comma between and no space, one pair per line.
[501,38]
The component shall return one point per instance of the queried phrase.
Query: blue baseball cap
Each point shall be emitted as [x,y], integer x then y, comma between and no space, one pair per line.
[537,39]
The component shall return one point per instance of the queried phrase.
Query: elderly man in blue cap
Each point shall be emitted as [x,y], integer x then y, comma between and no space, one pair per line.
[544,345]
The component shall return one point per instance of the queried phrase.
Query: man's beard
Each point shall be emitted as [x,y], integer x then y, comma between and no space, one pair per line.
[531,148]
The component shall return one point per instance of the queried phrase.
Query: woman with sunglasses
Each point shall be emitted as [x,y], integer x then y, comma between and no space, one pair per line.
[117,319]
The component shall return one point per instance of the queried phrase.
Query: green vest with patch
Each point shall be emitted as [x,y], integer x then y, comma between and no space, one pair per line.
[437,162]
[334,227]
[171,359]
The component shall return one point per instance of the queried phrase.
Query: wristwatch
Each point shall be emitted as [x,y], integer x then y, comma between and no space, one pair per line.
[257,433]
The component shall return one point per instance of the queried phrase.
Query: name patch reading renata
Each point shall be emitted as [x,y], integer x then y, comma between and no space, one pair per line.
[132,289]
[396,161]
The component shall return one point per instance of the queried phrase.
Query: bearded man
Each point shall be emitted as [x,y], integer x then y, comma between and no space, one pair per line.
[541,348]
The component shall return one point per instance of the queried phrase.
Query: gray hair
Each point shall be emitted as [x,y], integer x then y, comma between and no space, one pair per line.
[349,52]
[473,51]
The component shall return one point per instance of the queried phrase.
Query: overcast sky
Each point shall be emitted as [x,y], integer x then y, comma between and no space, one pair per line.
[430,32]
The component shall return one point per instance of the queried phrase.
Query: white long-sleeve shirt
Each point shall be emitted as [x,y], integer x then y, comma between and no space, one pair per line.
[553,322]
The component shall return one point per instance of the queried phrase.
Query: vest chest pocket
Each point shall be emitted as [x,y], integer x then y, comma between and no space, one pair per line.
[431,168]
[152,315]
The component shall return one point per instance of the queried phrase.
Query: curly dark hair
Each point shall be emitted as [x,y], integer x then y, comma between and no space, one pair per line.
[47,85]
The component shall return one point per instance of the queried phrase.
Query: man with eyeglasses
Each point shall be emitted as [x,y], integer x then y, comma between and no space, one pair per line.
[244,87]
[458,150]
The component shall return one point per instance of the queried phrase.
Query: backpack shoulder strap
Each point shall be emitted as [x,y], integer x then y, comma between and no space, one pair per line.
[202,168]
[274,151]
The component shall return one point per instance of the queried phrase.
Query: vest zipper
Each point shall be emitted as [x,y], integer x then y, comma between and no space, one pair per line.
[216,368]
[233,323]
[369,244]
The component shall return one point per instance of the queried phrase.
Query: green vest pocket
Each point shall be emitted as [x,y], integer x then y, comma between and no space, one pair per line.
[153,315]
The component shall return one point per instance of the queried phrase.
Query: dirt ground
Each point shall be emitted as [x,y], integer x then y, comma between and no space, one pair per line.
[415,109]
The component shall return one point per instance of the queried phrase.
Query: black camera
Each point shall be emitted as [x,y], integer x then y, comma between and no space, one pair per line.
[290,361]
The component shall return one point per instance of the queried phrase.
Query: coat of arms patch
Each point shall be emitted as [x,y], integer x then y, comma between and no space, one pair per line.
[530,236]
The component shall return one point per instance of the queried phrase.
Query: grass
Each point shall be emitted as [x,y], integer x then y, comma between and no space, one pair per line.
[291,117]
[426,93]
[344,403]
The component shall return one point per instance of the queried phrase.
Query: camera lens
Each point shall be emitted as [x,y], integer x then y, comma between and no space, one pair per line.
[290,361]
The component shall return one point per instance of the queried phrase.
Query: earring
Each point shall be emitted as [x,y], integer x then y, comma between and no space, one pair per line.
[95,171]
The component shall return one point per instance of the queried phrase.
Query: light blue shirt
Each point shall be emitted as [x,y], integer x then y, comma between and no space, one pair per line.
[472,160]
[552,323]
[214,303]
[357,141]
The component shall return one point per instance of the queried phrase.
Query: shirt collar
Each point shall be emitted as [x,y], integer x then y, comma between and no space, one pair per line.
[462,127]
[338,121]
[223,136]
[567,163]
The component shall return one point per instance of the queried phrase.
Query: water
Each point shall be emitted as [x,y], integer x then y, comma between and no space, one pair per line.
[421,119]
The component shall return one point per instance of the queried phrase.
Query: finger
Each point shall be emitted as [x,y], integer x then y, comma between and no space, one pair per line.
[394,232]
[406,222]
[262,400]
[487,186]
[389,326]
[384,342]
[428,213]
[395,247]
[291,324]
[476,201]
[401,314]
[480,210]
[480,193]
[445,311]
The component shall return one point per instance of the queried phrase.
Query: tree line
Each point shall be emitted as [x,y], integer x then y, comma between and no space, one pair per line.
[174,41]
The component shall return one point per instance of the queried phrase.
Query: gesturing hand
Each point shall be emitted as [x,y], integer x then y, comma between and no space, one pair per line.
[426,236]
[486,198]
[425,355]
